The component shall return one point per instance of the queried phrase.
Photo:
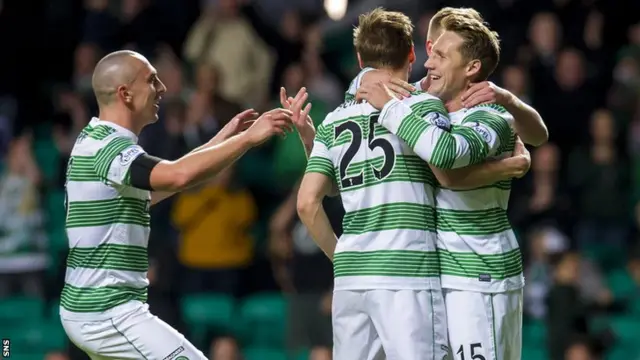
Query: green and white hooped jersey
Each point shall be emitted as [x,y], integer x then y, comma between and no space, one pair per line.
[107,223]
[388,195]
[477,247]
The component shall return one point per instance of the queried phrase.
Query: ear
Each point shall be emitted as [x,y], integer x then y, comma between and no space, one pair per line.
[428,45]
[124,94]
[412,55]
[359,61]
[473,69]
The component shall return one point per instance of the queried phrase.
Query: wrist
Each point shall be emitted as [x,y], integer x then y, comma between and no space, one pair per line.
[246,141]
[509,100]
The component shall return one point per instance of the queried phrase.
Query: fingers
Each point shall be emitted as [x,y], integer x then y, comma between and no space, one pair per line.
[485,96]
[305,112]
[246,124]
[401,87]
[280,113]
[475,88]
[283,98]
[398,91]
[247,114]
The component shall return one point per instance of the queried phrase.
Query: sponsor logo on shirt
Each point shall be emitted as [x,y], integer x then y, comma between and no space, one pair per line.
[175,353]
[483,131]
[128,155]
[439,120]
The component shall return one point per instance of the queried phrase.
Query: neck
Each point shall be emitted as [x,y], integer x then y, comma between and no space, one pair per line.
[121,117]
[455,102]
[402,74]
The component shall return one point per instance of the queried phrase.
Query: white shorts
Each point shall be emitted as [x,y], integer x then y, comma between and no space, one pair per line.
[389,324]
[134,335]
[484,326]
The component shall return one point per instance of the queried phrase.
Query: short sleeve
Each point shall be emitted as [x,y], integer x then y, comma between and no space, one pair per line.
[320,160]
[113,161]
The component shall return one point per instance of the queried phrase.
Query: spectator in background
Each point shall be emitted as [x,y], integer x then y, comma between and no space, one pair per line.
[225,348]
[215,245]
[70,118]
[545,36]
[514,79]
[101,26]
[579,349]
[540,196]
[22,243]
[566,311]
[324,86]
[569,101]
[86,58]
[599,181]
[224,39]
[305,275]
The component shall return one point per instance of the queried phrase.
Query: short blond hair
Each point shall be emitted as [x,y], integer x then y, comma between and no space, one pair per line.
[383,38]
[479,42]
[435,24]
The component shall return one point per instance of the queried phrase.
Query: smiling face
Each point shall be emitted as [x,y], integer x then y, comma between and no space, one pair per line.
[145,93]
[467,51]
[447,67]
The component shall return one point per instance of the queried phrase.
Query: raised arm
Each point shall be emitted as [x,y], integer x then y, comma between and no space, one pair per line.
[122,162]
[528,122]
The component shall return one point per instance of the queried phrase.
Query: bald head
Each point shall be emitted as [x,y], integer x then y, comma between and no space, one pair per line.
[114,70]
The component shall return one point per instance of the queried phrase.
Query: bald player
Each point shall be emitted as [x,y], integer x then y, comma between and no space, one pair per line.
[110,184]
[528,124]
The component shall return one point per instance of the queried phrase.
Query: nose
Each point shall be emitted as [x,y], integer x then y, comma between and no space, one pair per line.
[429,64]
[162,89]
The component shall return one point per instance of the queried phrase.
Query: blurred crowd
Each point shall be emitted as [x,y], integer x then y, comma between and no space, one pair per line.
[231,266]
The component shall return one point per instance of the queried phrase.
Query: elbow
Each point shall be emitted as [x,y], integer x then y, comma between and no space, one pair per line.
[305,207]
[177,179]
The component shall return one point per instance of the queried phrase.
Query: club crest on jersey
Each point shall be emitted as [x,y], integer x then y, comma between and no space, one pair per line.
[128,155]
[439,120]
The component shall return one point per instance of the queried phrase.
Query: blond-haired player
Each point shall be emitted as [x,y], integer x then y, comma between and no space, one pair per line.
[529,124]
[480,261]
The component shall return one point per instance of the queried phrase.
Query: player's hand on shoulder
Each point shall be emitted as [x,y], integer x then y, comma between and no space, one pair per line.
[270,123]
[238,124]
[300,113]
[400,89]
[376,94]
[485,92]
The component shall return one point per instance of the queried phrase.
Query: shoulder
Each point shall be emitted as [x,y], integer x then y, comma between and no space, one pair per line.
[490,111]
[424,103]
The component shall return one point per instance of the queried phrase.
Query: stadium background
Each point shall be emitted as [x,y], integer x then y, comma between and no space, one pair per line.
[231,266]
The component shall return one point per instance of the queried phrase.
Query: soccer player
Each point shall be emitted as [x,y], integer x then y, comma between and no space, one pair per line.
[480,261]
[528,123]
[386,293]
[111,183]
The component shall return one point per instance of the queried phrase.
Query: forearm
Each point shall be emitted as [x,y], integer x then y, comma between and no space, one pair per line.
[313,216]
[431,141]
[307,143]
[528,124]
[200,165]
[475,176]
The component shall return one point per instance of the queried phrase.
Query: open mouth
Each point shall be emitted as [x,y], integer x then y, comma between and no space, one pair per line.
[434,77]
